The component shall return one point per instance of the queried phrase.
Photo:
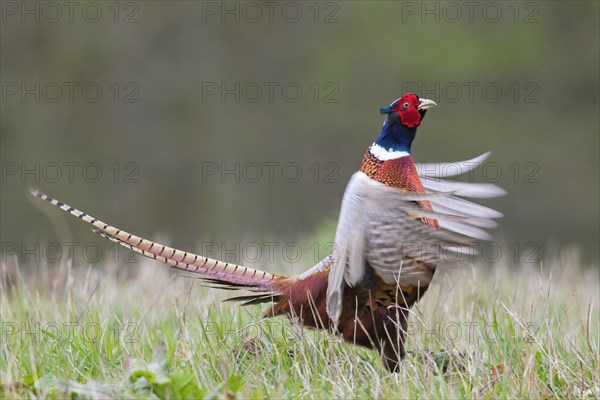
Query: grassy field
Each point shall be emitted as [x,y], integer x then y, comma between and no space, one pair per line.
[141,330]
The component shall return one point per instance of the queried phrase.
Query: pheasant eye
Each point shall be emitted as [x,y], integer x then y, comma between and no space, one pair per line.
[405,104]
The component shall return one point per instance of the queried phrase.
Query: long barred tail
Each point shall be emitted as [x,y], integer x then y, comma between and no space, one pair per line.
[223,274]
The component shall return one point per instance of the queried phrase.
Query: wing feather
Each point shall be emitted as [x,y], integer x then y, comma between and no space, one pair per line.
[446,169]
[381,227]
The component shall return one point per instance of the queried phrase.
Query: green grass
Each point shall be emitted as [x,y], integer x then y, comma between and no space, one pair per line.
[481,331]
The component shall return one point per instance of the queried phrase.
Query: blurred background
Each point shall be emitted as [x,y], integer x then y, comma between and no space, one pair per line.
[239,122]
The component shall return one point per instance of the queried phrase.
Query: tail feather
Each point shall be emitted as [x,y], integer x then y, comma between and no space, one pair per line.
[256,299]
[229,275]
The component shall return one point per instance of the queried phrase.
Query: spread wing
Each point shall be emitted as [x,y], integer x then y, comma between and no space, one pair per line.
[381,227]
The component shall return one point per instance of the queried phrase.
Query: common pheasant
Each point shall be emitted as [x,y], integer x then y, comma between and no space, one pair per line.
[398,222]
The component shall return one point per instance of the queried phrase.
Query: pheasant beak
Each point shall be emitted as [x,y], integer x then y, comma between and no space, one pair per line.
[425,104]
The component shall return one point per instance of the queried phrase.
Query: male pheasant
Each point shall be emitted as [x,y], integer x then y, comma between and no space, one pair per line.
[398,221]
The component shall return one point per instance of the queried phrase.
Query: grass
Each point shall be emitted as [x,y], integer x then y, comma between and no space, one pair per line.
[141,330]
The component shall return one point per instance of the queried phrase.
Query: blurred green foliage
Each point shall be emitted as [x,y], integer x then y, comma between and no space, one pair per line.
[171,53]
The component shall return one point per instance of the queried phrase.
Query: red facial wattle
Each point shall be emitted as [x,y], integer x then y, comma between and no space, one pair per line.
[407,110]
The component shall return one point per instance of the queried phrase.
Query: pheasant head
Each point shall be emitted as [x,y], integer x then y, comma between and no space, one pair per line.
[404,115]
